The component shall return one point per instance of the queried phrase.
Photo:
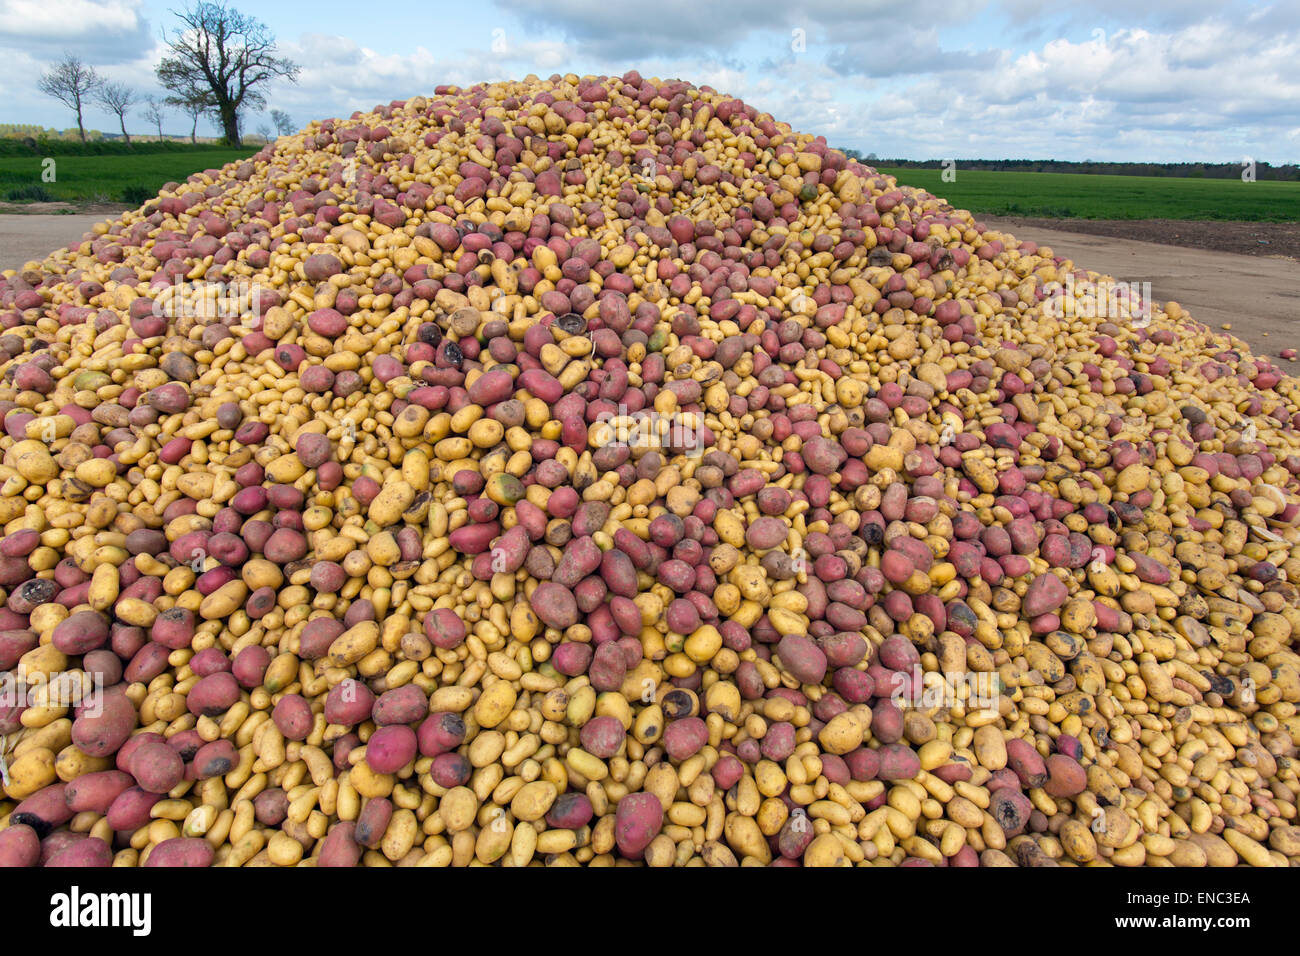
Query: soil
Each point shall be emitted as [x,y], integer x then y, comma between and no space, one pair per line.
[1271,239]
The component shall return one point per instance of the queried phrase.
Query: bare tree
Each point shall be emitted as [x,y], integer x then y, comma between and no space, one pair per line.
[153,112]
[283,122]
[72,83]
[228,55]
[264,131]
[193,104]
[117,98]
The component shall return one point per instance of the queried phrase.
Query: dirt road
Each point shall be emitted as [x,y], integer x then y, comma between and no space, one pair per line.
[24,237]
[1258,296]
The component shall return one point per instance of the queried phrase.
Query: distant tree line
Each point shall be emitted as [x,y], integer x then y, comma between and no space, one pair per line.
[1263,171]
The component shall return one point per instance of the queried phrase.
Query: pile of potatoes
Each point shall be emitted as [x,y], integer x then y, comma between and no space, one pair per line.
[594,471]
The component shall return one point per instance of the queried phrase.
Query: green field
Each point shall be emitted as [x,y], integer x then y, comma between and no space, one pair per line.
[1077,196]
[129,179]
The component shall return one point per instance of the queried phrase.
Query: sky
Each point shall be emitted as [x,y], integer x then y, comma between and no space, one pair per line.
[1109,80]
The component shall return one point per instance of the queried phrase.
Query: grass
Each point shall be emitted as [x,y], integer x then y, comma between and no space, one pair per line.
[129,179]
[1082,196]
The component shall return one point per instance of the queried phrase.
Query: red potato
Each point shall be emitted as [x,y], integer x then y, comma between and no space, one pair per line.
[340,848]
[391,748]
[19,846]
[44,810]
[603,736]
[156,767]
[101,734]
[215,759]
[147,663]
[373,820]
[898,762]
[1026,762]
[130,809]
[403,705]
[802,658]
[637,821]
[293,716]
[683,738]
[96,791]
[90,853]
[270,807]
[213,695]
[80,632]
[181,852]
[349,702]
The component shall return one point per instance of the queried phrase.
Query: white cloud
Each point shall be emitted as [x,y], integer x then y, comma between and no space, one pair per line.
[100,31]
[1169,80]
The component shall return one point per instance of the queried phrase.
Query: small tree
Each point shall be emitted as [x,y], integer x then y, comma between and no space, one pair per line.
[72,83]
[226,54]
[283,122]
[117,98]
[264,131]
[153,112]
[194,104]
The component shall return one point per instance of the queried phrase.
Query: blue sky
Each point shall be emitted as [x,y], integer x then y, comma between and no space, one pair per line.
[1165,80]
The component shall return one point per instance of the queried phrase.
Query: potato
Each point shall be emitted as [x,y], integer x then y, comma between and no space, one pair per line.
[90,852]
[101,734]
[637,821]
[30,773]
[682,738]
[19,846]
[181,852]
[292,715]
[404,705]
[533,800]
[81,632]
[1026,762]
[373,822]
[339,847]
[157,767]
[130,808]
[96,791]
[495,704]
[44,810]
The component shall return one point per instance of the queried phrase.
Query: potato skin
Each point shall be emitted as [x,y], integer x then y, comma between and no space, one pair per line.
[373,822]
[637,821]
[156,767]
[96,791]
[603,736]
[181,851]
[44,810]
[81,632]
[403,705]
[214,760]
[19,846]
[898,762]
[130,809]
[102,734]
[90,852]
[292,715]
[340,847]
[1026,762]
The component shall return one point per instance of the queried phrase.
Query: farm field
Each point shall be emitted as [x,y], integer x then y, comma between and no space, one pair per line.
[1079,196]
[115,178]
